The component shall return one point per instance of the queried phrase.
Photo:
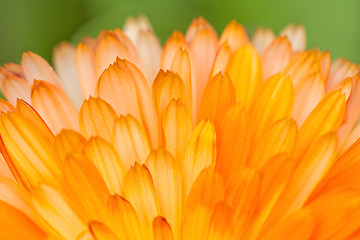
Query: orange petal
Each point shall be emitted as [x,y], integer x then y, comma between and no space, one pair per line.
[85,187]
[139,190]
[177,127]
[167,86]
[85,66]
[101,232]
[221,59]
[276,56]
[14,88]
[302,66]
[68,141]
[280,137]
[200,154]
[181,66]
[172,45]
[162,230]
[130,141]
[203,50]
[325,117]
[221,224]
[35,67]
[64,63]
[115,82]
[336,214]
[124,220]
[242,194]
[297,226]
[296,35]
[145,102]
[262,38]
[107,161]
[244,69]
[9,229]
[233,141]
[310,170]
[218,97]
[30,150]
[6,106]
[273,103]
[200,204]
[97,118]
[166,175]
[307,97]
[54,107]
[234,35]
[196,26]
[325,62]
[56,211]
[339,70]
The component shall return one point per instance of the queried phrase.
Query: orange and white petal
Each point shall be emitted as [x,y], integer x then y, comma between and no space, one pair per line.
[14,88]
[262,38]
[172,45]
[133,26]
[54,107]
[276,56]
[130,141]
[97,118]
[149,49]
[85,69]
[221,59]
[339,70]
[64,62]
[296,35]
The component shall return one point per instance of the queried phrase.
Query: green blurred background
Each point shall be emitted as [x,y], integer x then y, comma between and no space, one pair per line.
[38,25]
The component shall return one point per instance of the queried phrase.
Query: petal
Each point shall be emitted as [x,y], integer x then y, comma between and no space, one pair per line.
[107,161]
[200,154]
[35,67]
[30,151]
[130,141]
[85,68]
[233,141]
[54,107]
[9,229]
[64,63]
[244,69]
[221,59]
[56,211]
[97,118]
[166,175]
[140,191]
[101,232]
[85,187]
[218,97]
[124,220]
[172,45]
[177,127]
[296,35]
[234,35]
[162,230]
[339,70]
[276,56]
[68,141]
[14,88]
[262,38]
[221,224]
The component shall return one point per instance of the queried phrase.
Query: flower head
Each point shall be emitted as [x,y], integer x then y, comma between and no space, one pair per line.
[206,137]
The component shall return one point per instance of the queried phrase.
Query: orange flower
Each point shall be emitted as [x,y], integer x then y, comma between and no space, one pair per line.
[206,138]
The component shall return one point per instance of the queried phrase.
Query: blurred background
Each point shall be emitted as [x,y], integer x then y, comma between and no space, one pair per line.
[38,25]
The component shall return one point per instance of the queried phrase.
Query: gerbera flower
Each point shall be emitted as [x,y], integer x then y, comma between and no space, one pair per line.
[206,138]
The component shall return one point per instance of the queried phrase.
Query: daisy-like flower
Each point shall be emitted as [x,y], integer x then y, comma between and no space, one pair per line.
[206,138]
